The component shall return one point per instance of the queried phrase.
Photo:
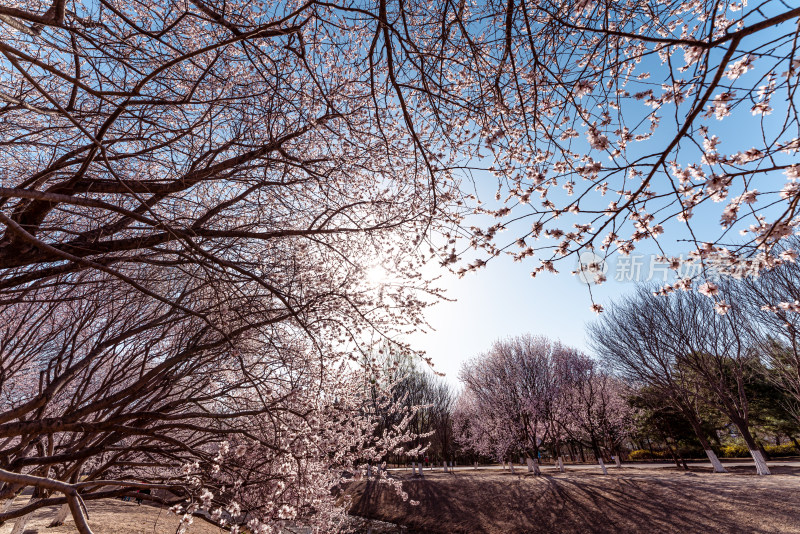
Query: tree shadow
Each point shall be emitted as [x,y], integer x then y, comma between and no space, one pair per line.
[626,501]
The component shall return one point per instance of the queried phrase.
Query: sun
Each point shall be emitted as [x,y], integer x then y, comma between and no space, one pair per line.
[377,275]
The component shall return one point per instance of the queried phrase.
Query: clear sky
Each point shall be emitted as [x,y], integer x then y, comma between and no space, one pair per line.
[503,300]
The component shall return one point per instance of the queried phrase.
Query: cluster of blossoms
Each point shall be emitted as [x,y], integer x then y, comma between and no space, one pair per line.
[529,393]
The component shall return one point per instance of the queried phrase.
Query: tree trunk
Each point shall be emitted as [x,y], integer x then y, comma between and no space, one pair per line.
[602,465]
[560,464]
[758,459]
[7,505]
[673,453]
[701,436]
[715,463]
[61,516]
[19,525]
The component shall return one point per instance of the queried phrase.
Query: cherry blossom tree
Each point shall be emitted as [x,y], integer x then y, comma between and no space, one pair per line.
[614,123]
[192,201]
[193,196]
[247,428]
[600,416]
[528,392]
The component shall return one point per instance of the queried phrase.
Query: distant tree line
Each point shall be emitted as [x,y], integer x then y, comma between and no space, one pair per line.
[675,375]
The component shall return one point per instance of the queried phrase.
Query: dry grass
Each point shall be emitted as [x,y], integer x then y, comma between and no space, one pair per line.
[111,516]
[627,500]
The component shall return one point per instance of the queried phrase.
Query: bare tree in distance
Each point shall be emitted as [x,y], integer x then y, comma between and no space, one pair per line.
[698,344]
[630,339]
[773,302]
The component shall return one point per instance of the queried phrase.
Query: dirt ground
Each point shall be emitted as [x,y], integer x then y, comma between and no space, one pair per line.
[111,516]
[626,501]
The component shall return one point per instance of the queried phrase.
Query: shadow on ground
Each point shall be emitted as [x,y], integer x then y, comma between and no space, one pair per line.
[627,500]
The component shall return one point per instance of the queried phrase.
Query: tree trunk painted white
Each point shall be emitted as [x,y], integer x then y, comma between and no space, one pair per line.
[560,464]
[529,461]
[420,471]
[369,471]
[602,466]
[715,463]
[476,466]
[61,516]
[504,465]
[761,465]
[413,468]
[536,470]
[444,464]
[521,461]
[617,461]
[7,505]
[19,526]
[511,466]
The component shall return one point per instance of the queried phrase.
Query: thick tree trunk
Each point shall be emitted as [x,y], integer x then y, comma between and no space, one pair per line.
[536,470]
[701,436]
[560,464]
[758,459]
[715,463]
[511,466]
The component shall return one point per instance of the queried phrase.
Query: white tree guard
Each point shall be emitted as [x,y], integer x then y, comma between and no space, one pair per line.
[61,516]
[602,466]
[715,463]
[761,464]
[19,526]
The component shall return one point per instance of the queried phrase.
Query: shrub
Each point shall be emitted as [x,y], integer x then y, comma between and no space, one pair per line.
[734,451]
[643,454]
[787,449]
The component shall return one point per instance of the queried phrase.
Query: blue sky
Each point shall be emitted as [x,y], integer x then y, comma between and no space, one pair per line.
[502,299]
